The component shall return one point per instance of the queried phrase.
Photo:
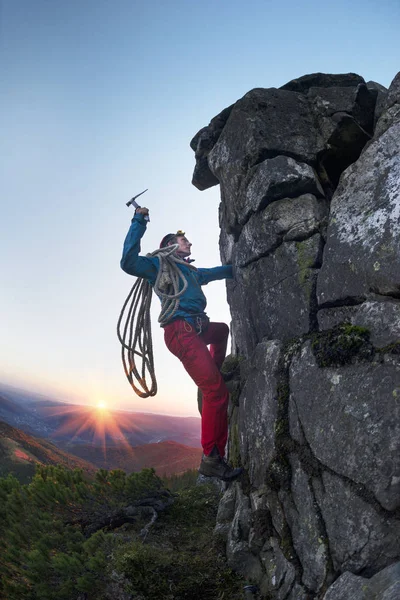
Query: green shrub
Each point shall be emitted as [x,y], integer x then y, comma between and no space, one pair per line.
[181,560]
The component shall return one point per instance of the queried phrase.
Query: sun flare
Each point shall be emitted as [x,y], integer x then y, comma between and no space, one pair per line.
[96,422]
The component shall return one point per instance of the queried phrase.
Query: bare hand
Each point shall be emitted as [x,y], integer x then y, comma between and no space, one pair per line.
[142,211]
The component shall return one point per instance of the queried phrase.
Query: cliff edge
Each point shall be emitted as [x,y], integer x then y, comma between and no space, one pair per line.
[310,219]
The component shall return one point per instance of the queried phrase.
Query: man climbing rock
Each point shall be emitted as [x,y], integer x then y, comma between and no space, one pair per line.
[188,334]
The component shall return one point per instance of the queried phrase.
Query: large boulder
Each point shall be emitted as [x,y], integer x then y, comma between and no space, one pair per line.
[309,217]
[304,521]
[258,412]
[202,144]
[350,417]
[380,316]
[323,80]
[278,289]
[361,538]
[363,241]
[383,586]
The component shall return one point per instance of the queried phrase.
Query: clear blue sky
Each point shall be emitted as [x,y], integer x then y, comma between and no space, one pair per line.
[99,100]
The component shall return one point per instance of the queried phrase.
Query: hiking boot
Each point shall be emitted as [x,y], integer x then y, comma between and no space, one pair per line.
[215,466]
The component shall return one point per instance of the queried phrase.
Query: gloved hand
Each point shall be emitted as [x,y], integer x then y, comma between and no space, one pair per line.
[142,211]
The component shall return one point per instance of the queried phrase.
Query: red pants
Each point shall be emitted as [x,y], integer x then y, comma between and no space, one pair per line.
[203,366]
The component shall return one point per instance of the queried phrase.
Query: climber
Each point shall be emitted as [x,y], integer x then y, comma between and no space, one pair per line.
[187,336]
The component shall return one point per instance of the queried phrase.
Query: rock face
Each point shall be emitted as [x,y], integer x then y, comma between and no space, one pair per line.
[310,219]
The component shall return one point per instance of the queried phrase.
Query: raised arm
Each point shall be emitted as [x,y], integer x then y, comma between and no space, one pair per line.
[131,262]
[207,275]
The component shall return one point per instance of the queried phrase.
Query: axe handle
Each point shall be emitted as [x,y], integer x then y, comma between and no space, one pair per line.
[136,205]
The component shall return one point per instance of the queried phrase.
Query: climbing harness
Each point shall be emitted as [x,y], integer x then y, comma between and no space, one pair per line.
[134,324]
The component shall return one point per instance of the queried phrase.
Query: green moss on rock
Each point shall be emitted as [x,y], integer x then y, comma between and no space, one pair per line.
[390,349]
[230,364]
[234,388]
[340,345]
[234,446]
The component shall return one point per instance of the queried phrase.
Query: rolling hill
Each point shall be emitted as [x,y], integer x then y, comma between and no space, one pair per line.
[20,452]
[62,422]
[38,429]
[167,458]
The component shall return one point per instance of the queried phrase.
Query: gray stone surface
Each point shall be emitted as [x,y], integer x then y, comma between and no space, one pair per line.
[243,332]
[239,556]
[289,219]
[348,587]
[280,572]
[202,144]
[226,244]
[270,140]
[258,410]
[358,534]
[242,518]
[277,514]
[357,101]
[328,318]
[243,561]
[351,419]
[277,178]
[390,109]
[381,318]
[226,512]
[381,95]
[307,534]
[385,585]
[345,140]
[323,80]
[265,121]
[387,119]
[321,496]
[277,290]
[295,427]
[393,96]
[262,527]
[252,134]
[232,192]
[297,593]
[363,241]
[392,593]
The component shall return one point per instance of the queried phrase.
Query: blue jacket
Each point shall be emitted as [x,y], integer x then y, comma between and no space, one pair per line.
[193,302]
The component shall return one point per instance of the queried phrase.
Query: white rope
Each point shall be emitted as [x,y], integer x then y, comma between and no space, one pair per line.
[134,323]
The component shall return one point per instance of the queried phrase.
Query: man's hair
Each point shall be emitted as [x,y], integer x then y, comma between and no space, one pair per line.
[171,238]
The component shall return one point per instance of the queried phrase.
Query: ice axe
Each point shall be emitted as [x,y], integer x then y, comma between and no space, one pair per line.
[136,205]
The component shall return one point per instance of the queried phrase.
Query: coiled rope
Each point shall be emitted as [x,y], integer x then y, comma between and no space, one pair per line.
[134,324]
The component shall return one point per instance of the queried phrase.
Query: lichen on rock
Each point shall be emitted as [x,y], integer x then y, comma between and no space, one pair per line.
[309,216]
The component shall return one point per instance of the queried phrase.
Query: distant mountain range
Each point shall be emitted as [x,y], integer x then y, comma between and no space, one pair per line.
[37,429]
[167,458]
[63,422]
[20,452]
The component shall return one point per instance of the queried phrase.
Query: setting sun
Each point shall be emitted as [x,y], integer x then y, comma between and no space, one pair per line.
[103,425]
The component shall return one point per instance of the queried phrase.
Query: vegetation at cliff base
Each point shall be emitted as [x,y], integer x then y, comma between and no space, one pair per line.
[182,559]
[64,537]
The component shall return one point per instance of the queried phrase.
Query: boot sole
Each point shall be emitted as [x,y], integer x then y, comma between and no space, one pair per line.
[221,477]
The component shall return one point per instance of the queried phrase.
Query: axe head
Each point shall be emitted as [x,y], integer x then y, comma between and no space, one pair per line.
[133,202]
